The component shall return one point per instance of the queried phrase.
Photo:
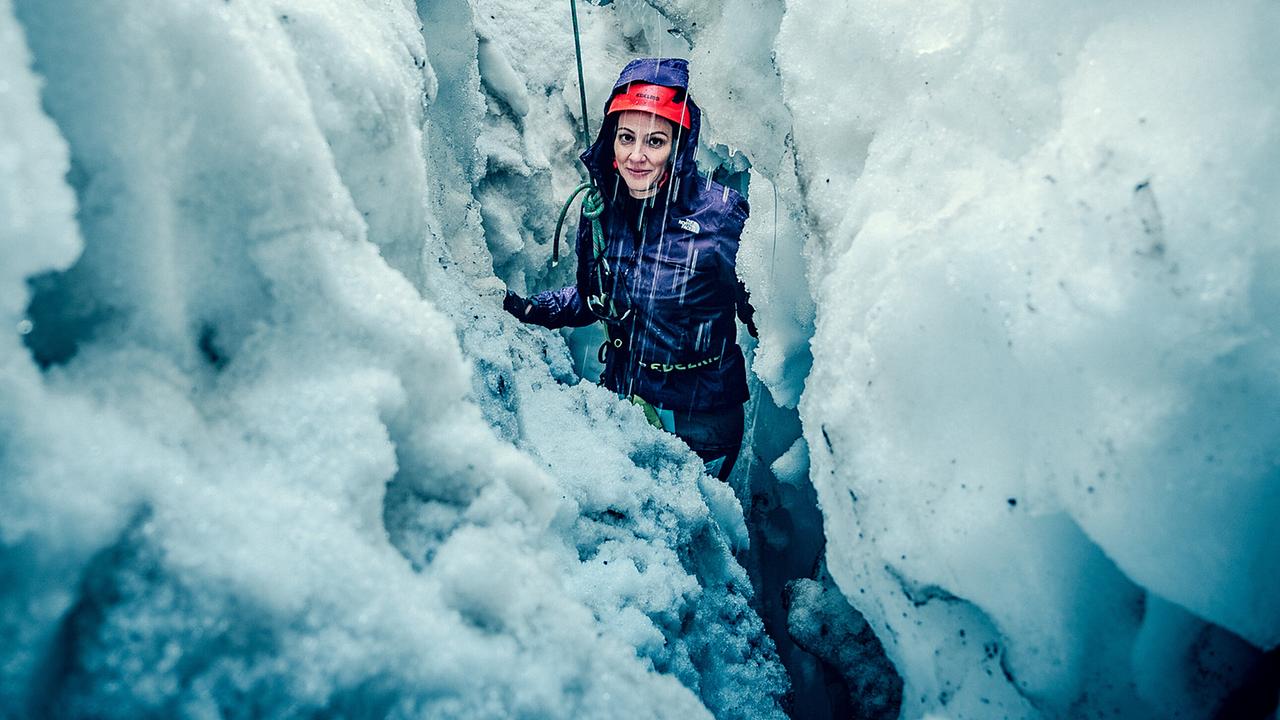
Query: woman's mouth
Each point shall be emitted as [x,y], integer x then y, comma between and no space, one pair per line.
[638,174]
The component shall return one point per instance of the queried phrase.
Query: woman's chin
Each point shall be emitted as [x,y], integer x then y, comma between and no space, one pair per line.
[639,189]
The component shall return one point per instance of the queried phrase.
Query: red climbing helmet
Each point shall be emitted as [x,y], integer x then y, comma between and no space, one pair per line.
[657,99]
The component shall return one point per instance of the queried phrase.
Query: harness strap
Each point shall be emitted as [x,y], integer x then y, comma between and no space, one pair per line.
[667,367]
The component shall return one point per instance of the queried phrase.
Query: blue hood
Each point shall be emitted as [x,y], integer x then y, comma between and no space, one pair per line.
[670,72]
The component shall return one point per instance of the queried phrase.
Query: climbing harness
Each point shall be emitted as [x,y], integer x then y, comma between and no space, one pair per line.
[673,367]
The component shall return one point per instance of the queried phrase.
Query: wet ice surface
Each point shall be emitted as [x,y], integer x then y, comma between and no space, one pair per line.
[270,448]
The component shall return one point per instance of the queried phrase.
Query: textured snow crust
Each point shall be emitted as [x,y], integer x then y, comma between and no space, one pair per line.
[1040,251]
[269,447]
[1042,413]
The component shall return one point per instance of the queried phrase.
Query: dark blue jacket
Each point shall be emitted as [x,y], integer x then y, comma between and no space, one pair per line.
[672,261]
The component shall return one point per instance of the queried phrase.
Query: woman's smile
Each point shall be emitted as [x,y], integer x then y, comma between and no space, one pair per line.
[639,172]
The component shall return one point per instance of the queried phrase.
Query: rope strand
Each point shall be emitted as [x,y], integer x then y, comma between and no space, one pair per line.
[582,87]
[593,203]
[592,208]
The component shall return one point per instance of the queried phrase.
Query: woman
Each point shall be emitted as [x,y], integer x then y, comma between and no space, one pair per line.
[664,283]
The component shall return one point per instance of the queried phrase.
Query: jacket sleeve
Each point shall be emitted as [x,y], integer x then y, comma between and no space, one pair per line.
[559,308]
[566,307]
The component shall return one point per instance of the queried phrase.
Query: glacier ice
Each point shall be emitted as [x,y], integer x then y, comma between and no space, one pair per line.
[268,447]
[1041,412]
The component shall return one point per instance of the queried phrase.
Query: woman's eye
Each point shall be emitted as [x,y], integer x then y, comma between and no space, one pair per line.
[656,142]
[625,138]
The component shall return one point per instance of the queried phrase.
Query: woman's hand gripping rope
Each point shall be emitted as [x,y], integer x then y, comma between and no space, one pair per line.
[592,209]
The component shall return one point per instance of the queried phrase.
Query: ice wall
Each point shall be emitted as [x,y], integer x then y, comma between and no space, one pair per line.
[1043,253]
[269,447]
[1042,412]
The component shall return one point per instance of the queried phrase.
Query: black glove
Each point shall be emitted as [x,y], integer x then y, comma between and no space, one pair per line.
[516,305]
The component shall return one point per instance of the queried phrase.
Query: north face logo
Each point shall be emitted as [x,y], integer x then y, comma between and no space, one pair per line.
[690,225]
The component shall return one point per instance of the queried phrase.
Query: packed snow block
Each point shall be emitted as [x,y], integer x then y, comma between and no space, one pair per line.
[38,234]
[823,623]
[265,483]
[37,210]
[656,567]
[40,551]
[369,106]
[141,642]
[499,77]
[222,87]
[454,112]
[1043,379]
[147,638]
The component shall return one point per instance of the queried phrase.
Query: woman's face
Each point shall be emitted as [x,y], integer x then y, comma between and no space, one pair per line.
[642,146]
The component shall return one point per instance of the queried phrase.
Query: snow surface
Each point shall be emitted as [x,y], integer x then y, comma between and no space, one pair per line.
[249,469]
[269,447]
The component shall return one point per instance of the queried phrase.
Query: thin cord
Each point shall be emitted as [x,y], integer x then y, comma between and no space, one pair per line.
[582,87]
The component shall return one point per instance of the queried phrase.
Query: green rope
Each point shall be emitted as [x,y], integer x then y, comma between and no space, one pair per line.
[592,204]
[650,412]
[582,87]
[592,208]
